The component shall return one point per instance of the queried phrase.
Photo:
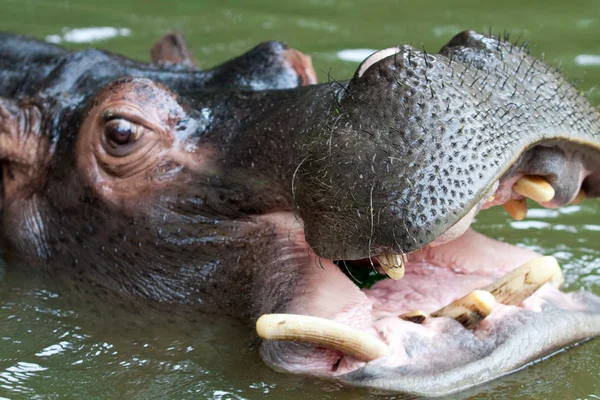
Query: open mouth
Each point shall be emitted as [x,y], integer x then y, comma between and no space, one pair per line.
[461,311]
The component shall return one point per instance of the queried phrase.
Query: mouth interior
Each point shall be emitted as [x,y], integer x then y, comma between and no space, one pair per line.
[435,276]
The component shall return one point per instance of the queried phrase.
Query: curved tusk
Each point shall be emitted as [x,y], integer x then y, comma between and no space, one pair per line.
[321,332]
[534,187]
[469,310]
[522,282]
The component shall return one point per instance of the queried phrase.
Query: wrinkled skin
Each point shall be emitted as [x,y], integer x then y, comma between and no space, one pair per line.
[234,189]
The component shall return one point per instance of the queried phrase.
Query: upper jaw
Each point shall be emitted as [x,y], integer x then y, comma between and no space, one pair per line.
[553,173]
[418,140]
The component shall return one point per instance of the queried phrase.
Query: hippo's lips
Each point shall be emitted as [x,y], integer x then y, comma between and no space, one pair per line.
[413,335]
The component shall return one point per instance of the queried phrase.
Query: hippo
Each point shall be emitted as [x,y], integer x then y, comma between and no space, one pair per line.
[245,190]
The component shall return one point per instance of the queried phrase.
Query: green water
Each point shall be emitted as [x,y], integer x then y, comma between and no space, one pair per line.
[51,348]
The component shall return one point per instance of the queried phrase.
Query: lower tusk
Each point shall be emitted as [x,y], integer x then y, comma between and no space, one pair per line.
[321,332]
[521,283]
[581,196]
[516,208]
[418,316]
[469,310]
[534,187]
[393,265]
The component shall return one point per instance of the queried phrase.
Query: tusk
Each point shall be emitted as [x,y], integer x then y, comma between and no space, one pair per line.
[321,332]
[516,208]
[581,196]
[393,264]
[418,316]
[522,282]
[534,187]
[469,310]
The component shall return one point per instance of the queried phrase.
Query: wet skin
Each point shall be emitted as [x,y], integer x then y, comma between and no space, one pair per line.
[234,189]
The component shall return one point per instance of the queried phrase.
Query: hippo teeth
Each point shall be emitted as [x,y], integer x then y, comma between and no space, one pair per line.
[392,264]
[469,310]
[516,208]
[321,332]
[511,289]
[534,187]
[522,282]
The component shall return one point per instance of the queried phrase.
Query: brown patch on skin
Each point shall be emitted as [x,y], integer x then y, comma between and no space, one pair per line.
[302,64]
[124,174]
[172,49]
[24,152]
[417,317]
[472,318]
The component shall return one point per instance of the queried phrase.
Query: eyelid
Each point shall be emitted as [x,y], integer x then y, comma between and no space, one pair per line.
[129,115]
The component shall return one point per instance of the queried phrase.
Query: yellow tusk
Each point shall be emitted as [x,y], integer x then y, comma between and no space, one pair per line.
[534,187]
[522,282]
[516,208]
[392,264]
[469,310]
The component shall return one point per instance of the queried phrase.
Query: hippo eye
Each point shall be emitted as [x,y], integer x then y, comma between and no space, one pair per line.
[120,132]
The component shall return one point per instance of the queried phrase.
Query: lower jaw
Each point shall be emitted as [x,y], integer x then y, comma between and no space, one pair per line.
[434,278]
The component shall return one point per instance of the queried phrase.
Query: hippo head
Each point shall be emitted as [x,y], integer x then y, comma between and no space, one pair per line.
[137,180]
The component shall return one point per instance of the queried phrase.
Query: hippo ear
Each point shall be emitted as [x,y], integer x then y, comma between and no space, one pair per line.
[23,149]
[172,49]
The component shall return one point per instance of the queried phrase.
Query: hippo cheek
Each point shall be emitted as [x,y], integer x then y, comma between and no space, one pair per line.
[421,143]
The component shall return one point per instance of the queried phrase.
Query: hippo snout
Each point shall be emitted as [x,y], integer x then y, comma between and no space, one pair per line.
[420,140]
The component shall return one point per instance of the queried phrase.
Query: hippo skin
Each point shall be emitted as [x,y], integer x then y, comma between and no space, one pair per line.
[240,189]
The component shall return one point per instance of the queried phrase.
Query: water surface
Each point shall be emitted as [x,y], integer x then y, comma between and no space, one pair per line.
[51,347]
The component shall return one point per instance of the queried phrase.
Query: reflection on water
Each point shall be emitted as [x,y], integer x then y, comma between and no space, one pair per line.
[53,347]
[587,59]
[87,35]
